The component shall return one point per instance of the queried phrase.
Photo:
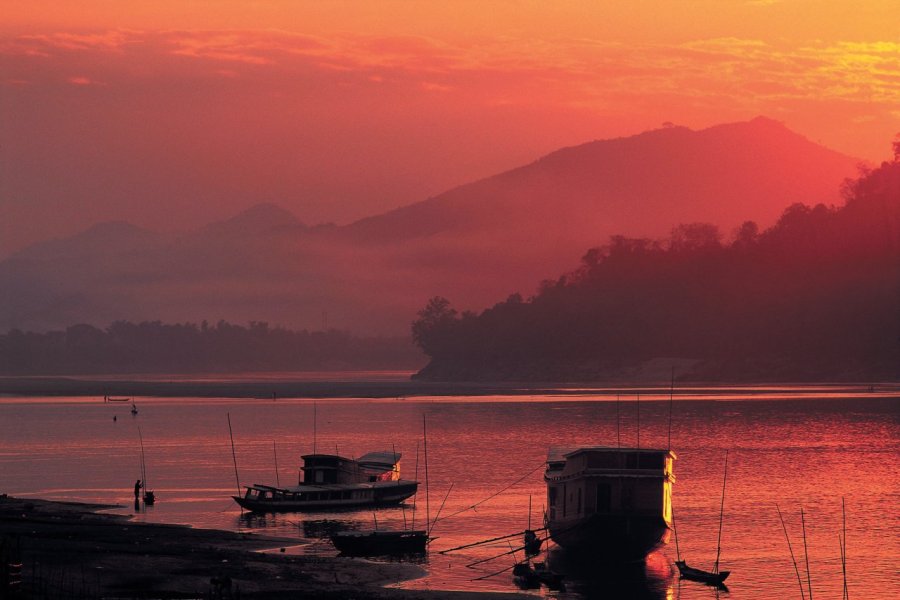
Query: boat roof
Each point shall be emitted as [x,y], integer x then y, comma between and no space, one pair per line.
[380,458]
[383,457]
[329,487]
[561,453]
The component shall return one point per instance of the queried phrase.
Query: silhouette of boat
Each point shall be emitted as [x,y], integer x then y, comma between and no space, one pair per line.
[714,577]
[610,503]
[380,543]
[330,481]
[700,575]
[530,575]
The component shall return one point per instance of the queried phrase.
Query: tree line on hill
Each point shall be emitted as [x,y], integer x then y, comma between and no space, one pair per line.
[155,347]
[815,297]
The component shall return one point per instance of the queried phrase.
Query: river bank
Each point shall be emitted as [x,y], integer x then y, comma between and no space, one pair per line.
[73,550]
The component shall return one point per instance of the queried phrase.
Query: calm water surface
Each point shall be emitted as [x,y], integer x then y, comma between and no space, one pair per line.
[806,447]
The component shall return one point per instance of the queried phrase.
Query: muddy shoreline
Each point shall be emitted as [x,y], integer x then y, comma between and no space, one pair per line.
[73,550]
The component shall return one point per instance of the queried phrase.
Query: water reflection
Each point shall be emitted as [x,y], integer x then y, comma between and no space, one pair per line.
[653,579]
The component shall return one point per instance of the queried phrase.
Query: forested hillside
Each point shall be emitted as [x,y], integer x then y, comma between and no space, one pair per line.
[155,347]
[814,297]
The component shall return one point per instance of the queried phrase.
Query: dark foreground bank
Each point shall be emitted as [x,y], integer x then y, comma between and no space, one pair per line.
[70,550]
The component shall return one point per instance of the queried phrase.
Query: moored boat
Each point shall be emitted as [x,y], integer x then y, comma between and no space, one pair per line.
[380,543]
[610,503]
[700,575]
[332,481]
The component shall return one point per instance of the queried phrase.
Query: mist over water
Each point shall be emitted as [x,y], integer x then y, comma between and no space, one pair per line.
[803,446]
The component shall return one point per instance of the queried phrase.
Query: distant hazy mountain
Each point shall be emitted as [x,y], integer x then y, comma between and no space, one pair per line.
[474,244]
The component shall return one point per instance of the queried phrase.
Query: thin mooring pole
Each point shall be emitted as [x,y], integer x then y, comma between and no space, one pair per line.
[440,508]
[791,550]
[846,594]
[721,515]
[671,396]
[275,452]
[639,425]
[427,499]
[233,455]
[618,435]
[416,496]
[314,425]
[529,511]
[806,554]
[675,530]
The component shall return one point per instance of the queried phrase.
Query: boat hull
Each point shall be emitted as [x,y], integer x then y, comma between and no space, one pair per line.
[611,538]
[380,543]
[700,575]
[382,496]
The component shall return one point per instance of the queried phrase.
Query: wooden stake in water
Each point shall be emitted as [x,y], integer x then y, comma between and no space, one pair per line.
[233,455]
[791,550]
[314,426]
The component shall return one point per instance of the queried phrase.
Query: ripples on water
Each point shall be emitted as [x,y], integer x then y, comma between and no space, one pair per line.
[795,446]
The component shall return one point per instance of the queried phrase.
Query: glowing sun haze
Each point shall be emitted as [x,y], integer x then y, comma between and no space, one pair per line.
[172,114]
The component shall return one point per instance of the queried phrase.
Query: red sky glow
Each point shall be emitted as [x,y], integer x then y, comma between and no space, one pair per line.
[174,114]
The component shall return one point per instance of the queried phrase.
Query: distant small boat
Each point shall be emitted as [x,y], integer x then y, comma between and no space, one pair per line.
[134,410]
[380,543]
[111,399]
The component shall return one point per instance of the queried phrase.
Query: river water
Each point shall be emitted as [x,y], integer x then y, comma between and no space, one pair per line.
[795,447]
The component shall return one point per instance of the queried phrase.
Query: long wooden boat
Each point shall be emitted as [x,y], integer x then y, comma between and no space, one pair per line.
[609,503]
[701,575]
[329,481]
[380,543]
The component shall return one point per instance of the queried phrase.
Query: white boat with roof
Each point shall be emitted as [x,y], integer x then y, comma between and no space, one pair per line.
[608,502]
[329,481]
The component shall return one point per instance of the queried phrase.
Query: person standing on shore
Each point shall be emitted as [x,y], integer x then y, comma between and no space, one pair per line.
[137,488]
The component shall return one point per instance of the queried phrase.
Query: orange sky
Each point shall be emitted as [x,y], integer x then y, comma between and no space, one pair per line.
[176,113]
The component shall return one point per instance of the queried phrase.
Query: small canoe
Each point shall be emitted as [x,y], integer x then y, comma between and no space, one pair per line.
[700,575]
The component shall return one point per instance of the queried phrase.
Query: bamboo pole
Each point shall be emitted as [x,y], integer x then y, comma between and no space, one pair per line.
[233,455]
[806,555]
[791,550]
[721,515]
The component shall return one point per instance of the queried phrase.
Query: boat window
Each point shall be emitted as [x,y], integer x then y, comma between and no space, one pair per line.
[603,460]
[552,496]
[631,460]
[319,476]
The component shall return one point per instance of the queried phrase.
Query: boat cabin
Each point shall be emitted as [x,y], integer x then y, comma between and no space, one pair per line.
[325,469]
[599,480]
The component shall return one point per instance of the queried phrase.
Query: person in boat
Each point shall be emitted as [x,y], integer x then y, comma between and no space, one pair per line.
[137,489]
